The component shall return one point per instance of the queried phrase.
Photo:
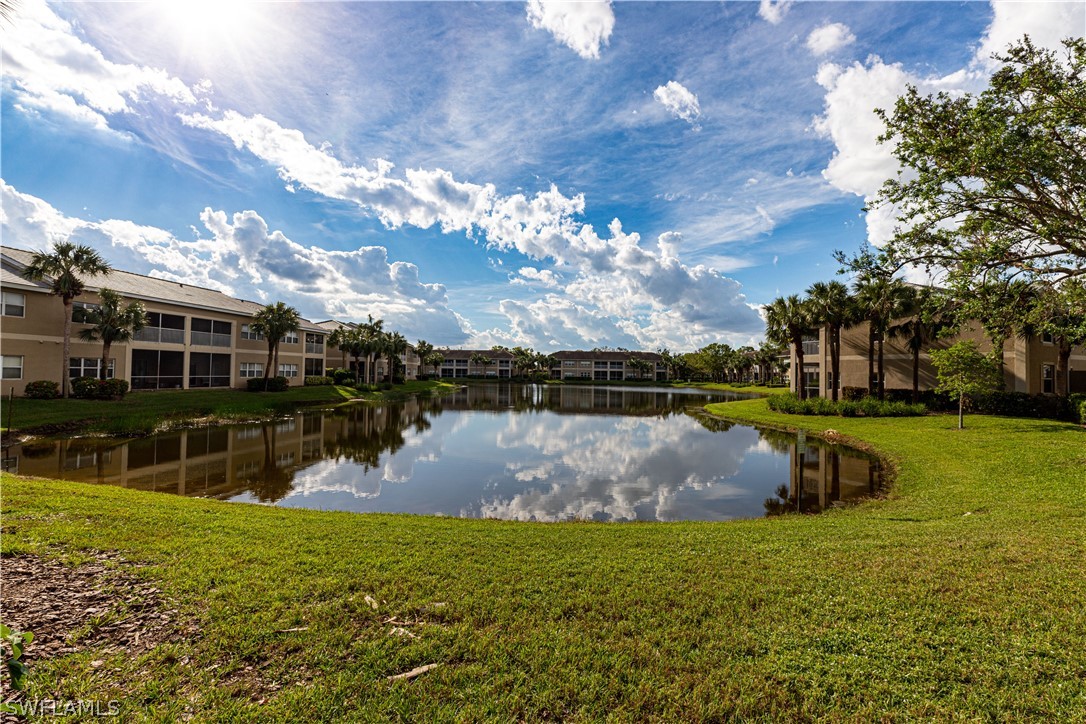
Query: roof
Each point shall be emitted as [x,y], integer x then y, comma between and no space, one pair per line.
[138,286]
[493,354]
[604,355]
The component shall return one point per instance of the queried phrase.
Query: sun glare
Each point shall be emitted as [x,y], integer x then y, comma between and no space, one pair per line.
[199,22]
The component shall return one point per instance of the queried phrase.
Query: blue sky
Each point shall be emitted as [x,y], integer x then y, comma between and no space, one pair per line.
[556,175]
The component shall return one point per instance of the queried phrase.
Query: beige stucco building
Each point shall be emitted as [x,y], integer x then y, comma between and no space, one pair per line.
[194,338]
[1029,364]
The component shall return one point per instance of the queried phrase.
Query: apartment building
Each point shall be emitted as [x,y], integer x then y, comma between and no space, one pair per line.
[1029,364]
[607,365]
[194,338]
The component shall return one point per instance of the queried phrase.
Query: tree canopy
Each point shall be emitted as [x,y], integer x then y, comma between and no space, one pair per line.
[995,180]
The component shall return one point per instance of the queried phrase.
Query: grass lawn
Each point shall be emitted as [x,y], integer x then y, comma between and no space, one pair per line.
[143,412]
[961,596]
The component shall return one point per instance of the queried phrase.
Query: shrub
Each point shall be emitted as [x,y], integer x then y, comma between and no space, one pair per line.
[317,381]
[85,388]
[274,384]
[1020,404]
[1082,412]
[112,389]
[42,390]
[343,377]
[853,393]
[868,407]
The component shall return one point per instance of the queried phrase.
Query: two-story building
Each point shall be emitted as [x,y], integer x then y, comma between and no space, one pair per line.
[194,337]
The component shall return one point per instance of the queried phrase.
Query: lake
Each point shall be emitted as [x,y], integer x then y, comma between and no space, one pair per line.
[511,451]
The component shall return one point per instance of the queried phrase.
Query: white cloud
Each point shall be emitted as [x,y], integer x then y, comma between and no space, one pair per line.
[773,11]
[679,101]
[1046,23]
[50,69]
[539,277]
[829,38]
[861,164]
[582,25]
[640,282]
[244,258]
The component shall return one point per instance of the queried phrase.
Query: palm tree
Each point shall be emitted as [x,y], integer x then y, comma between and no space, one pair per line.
[65,267]
[111,323]
[880,298]
[831,306]
[423,349]
[372,335]
[926,319]
[434,359]
[395,345]
[787,319]
[480,359]
[356,344]
[338,339]
[275,321]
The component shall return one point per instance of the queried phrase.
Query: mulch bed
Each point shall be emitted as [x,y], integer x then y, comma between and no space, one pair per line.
[100,606]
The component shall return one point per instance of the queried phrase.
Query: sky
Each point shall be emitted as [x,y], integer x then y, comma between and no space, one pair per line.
[557,175]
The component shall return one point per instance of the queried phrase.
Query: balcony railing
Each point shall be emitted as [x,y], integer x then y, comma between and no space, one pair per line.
[210,339]
[313,348]
[810,347]
[160,334]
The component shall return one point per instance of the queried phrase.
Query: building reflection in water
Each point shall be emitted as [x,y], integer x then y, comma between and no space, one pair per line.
[262,462]
[821,475]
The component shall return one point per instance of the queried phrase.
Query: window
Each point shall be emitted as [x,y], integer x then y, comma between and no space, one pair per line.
[211,332]
[289,338]
[169,328]
[13,367]
[586,363]
[569,363]
[810,344]
[14,305]
[248,333]
[314,367]
[1046,338]
[81,312]
[1048,378]
[314,343]
[286,370]
[252,369]
[154,369]
[87,367]
[209,370]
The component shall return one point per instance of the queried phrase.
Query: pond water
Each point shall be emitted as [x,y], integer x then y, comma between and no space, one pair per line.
[522,452]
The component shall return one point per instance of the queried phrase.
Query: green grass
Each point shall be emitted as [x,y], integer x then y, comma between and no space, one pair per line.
[960,596]
[144,412]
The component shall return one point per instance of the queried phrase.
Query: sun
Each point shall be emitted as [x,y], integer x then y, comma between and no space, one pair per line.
[208,22]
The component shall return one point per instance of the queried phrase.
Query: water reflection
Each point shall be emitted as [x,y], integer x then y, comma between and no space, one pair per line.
[521,452]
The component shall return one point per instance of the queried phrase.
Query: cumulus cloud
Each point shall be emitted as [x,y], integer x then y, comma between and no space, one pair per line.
[244,258]
[640,282]
[861,164]
[829,38]
[1046,23]
[773,11]
[679,101]
[539,277]
[581,25]
[49,69]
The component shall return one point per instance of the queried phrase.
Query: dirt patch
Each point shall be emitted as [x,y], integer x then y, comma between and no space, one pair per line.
[101,606]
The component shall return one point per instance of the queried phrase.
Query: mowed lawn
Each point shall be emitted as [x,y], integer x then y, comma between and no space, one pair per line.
[960,596]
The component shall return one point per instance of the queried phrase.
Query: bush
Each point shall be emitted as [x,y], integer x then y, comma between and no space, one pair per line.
[317,381]
[853,393]
[1082,412]
[112,389]
[343,377]
[1020,404]
[42,390]
[85,388]
[868,407]
[274,384]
